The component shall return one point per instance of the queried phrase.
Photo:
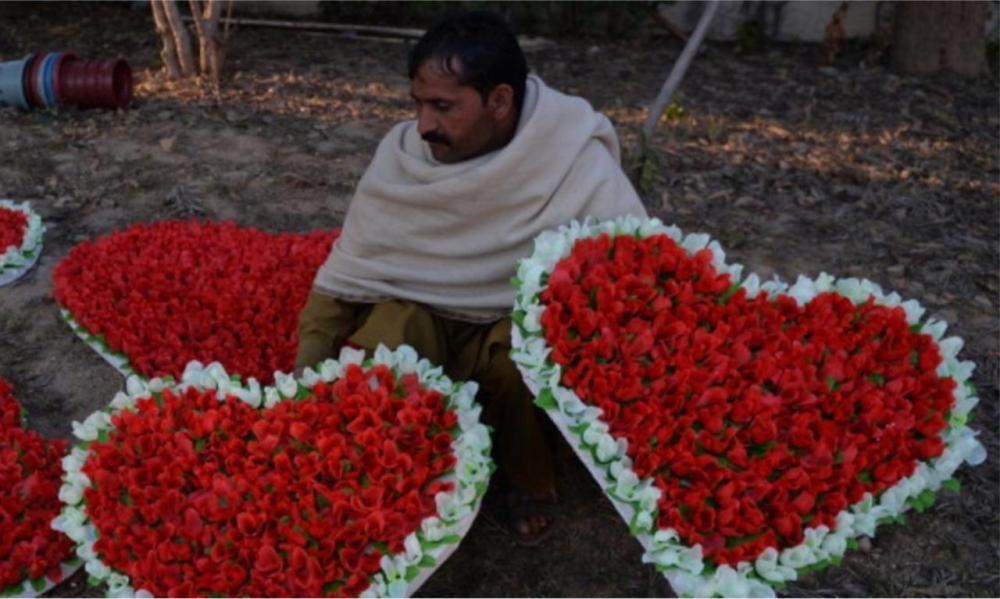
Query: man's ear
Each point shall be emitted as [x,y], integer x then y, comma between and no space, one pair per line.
[501,101]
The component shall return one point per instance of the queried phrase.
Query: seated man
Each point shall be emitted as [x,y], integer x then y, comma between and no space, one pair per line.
[448,205]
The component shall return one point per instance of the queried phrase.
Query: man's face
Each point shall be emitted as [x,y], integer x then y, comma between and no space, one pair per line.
[451,117]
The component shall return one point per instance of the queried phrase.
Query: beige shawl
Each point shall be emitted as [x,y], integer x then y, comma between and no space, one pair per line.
[449,235]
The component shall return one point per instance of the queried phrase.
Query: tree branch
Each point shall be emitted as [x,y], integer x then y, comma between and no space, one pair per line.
[668,25]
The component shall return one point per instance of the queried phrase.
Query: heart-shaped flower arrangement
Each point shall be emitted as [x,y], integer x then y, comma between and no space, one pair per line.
[33,557]
[154,297]
[359,479]
[21,233]
[747,432]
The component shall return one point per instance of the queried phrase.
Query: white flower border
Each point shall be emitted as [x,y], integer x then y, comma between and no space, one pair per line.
[636,499]
[401,574]
[15,261]
[96,342]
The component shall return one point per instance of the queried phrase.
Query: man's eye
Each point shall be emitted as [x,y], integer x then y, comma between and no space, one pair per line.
[442,106]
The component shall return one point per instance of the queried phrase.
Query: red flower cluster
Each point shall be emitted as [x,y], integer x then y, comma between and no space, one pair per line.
[197,497]
[171,292]
[13,224]
[30,471]
[756,418]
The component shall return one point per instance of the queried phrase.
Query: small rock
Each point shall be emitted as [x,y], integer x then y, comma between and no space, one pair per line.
[332,148]
[168,143]
[946,314]
[865,544]
[355,130]
[355,166]
[896,270]
[164,115]
[981,301]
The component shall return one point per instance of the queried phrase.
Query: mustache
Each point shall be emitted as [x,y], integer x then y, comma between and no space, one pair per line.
[433,137]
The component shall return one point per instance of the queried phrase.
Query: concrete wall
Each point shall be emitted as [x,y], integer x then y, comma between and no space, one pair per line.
[799,20]
[783,21]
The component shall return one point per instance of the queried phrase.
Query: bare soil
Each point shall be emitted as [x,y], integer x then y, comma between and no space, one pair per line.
[794,169]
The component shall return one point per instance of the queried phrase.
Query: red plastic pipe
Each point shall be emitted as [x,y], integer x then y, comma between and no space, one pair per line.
[92,83]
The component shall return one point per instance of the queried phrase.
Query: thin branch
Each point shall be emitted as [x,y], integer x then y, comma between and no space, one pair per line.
[359,32]
[401,32]
[668,25]
[680,68]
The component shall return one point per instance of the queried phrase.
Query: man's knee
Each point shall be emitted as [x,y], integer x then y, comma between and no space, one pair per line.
[399,322]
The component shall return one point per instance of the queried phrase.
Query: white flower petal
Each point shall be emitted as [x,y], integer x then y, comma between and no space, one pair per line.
[330,370]
[350,355]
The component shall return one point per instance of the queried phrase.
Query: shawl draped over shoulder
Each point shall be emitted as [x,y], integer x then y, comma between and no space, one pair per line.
[449,235]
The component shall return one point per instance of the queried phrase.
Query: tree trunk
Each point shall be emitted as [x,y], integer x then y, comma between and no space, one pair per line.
[214,45]
[933,36]
[181,38]
[206,22]
[168,51]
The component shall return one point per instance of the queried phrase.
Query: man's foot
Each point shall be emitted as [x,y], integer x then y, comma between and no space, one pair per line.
[532,518]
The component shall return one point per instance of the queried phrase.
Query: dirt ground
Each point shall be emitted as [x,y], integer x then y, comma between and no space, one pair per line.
[794,169]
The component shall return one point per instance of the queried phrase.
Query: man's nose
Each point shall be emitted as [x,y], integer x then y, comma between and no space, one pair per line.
[425,121]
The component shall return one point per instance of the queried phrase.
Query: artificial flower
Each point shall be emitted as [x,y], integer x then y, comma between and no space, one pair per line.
[328,489]
[156,296]
[32,555]
[771,422]
[21,231]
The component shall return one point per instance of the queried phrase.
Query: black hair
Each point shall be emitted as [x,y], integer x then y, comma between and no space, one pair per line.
[486,48]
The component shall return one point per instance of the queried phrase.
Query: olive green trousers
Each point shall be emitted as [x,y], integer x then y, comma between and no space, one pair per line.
[466,351]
